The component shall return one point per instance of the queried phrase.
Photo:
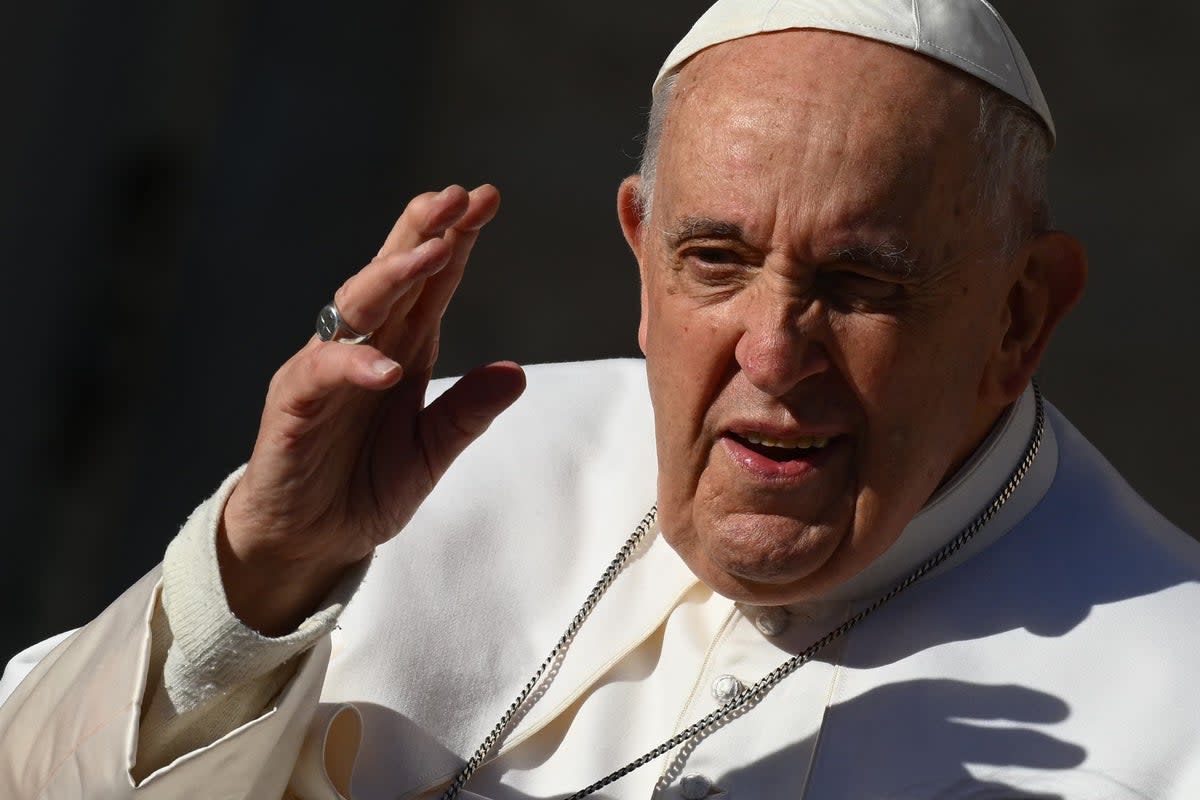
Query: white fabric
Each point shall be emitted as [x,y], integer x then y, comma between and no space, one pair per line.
[966,34]
[214,652]
[1058,661]
[665,663]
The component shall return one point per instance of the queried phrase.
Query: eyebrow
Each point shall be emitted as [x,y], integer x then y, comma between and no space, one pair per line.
[688,228]
[886,255]
[892,257]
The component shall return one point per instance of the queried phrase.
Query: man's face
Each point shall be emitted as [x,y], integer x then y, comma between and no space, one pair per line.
[821,298]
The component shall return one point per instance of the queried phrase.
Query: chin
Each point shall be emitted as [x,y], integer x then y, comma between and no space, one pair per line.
[767,560]
[757,592]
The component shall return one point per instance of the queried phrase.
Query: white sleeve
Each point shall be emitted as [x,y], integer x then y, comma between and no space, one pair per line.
[24,662]
[209,673]
[213,708]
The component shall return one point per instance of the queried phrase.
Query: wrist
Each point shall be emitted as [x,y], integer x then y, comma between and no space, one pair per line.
[271,591]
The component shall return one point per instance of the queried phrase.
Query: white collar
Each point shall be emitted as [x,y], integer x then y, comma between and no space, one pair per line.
[954,506]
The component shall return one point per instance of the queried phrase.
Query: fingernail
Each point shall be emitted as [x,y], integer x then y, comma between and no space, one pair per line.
[384,367]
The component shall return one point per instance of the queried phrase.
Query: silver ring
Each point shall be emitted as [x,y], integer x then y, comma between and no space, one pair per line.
[331,327]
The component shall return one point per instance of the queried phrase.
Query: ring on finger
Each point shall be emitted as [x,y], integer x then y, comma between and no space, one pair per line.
[332,327]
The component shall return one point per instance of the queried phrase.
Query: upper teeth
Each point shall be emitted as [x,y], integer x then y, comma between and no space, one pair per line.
[801,443]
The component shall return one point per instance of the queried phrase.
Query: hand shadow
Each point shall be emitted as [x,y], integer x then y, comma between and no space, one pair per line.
[1046,577]
[1068,560]
[930,739]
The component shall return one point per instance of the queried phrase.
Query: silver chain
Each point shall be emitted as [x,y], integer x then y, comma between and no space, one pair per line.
[769,681]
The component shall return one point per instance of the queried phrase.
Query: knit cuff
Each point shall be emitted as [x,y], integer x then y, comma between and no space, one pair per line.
[213,651]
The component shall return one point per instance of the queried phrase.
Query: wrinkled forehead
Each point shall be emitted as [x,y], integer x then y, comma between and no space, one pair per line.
[831,112]
[838,133]
[968,35]
[799,69]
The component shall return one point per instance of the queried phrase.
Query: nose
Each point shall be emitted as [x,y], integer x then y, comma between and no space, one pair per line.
[780,345]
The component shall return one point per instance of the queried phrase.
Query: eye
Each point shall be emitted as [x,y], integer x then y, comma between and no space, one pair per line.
[714,255]
[715,266]
[855,289]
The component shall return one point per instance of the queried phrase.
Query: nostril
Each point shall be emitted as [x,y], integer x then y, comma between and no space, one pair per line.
[775,364]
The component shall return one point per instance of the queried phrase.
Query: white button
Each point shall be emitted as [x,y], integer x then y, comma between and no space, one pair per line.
[694,787]
[771,621]
[725,688]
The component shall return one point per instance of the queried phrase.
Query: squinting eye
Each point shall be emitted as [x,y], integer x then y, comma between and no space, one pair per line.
[714,255]
[715,267]
[849,287]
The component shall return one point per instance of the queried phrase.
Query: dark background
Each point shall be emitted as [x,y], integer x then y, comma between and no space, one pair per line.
[183,185]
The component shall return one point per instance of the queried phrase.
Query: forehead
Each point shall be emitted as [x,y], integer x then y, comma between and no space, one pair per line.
[827,123]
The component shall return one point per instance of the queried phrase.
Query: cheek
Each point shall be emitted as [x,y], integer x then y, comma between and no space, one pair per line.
[874,361]
[688,358]
[688,352]
[916,385]
[874,356]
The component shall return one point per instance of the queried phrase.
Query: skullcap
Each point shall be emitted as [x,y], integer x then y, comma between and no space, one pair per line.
[966,34]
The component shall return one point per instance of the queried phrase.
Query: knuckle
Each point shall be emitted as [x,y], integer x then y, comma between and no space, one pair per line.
[303,368]
[314,360]
[396,277]
[395,266]
[283,376]
[300,394]
[469,426]
[419,206]
[399,260]
[277,380]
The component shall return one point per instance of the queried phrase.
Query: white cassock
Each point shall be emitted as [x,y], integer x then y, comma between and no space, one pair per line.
[1056,656]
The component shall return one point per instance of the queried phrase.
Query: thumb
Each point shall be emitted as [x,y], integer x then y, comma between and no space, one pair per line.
[465,411]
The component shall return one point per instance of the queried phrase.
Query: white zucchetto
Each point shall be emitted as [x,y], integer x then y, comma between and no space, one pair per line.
[966,34]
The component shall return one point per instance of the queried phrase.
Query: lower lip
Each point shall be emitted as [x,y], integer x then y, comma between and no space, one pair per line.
[765,468]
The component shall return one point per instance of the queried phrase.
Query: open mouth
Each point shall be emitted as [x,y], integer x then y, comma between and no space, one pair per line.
[782,450]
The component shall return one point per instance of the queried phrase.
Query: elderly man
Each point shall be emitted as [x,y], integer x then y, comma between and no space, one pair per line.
[879,565]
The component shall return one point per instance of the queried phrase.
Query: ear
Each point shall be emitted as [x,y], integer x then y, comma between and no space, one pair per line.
[1050,281]
[629,211]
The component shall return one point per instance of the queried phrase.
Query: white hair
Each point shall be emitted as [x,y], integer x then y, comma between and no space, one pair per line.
[648,170]
[1013,176]
[1013,172]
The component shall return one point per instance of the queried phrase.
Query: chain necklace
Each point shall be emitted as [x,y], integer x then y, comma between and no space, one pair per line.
[755,693]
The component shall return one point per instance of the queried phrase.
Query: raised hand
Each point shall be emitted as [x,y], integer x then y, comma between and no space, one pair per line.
[346,450]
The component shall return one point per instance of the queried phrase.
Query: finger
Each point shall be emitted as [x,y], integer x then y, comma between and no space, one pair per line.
[466,410]
[431,305]
[483,203]
[995,701]
[304,385]
[427,216]
[366,299]
[988,745]
[411,335]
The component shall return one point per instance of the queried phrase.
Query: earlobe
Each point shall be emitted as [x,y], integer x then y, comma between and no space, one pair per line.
[1049,284]
[629,212]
